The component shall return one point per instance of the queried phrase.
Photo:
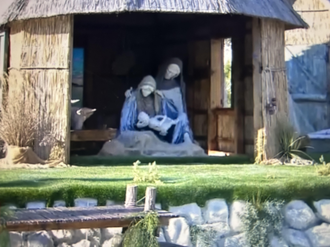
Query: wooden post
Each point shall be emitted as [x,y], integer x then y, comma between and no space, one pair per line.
[131,195]
[238,44]
[257,80]
[150,201]
[217,89]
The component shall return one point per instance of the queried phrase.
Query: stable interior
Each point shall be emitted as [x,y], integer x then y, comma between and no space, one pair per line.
[119,50]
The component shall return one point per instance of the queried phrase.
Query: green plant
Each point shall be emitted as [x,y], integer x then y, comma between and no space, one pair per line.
[261,221]
[5,212]
[202,236]
[227,70]
[143,176]
[142,231]
[290,143]
[324,169]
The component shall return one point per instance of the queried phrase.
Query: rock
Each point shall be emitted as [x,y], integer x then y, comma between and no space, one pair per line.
[277,242]
[85,202]
[161,237]
[61,236]
[236,212]
[39,239]
[59,203]
[92,235]
[191,212]
[16,239]
[11,206]
[216,210]
[114,242]
[63,245]
[178,232]
[239,240]
[108,233]
[323,209]
[83,243]
[110,203]
[36,205]
[299,215]
[319,236]
[295,238]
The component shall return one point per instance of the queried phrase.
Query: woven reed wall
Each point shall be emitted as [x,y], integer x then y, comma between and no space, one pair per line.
[272,42]
[319,22]
[41,49]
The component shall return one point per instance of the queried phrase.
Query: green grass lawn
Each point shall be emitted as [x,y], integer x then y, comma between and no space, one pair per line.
[182,183]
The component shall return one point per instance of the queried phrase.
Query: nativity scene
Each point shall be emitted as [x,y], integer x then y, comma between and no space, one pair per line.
[154,120]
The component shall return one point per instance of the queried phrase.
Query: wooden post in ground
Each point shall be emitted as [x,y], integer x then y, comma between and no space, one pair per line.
[150,201]
[131,195]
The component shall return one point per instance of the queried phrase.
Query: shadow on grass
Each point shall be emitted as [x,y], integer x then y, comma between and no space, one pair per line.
[128,160]
[51,181]
[172,180]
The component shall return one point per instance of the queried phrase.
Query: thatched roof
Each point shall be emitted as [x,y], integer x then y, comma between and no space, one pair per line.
[276,9]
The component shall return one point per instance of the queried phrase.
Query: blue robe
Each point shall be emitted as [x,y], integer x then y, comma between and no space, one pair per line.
[129,117]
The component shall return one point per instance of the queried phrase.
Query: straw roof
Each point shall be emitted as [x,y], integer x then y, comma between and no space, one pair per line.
[275,9]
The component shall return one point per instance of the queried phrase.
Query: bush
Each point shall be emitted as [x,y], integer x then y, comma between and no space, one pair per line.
[142,231]
[5,212]
[149,176]
[290,143]
[18,116]
[324,169]
[261,221]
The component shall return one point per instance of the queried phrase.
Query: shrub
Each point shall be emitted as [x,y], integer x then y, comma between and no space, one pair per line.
[18,116]
[324,169]
[142,231]
[149,176]
[5,212]
[261,221]
[290,143]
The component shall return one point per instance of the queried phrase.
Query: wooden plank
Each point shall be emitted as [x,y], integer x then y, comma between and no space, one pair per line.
[224,111]
[226,131]
[216,90]
[78,218]
[93,135]
[257,77]
[238,92]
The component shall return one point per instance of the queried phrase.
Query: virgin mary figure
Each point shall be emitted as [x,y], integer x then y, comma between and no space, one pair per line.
[142,108]
[172,87]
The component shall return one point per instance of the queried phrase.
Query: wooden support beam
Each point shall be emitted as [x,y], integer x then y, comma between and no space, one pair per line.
[93,135]
[238,92]
[257,77]
[216,90]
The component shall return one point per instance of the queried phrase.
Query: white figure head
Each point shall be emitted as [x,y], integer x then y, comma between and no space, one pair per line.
[173,70]
[147,90]
[147,86]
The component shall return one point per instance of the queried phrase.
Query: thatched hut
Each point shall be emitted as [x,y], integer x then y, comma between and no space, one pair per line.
[139,35]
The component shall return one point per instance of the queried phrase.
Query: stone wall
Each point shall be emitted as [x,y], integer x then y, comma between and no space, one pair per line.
[221,221]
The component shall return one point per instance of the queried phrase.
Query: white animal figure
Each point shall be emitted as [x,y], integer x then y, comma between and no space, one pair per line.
[79,116]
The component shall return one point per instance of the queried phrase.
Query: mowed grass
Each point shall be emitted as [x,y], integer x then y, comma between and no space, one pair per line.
[181,184]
